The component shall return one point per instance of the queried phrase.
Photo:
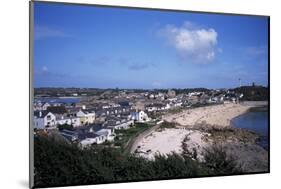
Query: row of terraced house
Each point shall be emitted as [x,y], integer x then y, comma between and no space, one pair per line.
[88,126]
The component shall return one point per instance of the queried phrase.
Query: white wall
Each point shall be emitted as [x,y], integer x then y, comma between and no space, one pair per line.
[64,121]
[88,142]
[50,119]
[76,122]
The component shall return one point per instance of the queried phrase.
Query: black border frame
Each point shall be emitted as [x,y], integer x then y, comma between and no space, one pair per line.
[31,89]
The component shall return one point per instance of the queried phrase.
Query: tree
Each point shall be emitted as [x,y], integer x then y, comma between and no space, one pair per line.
[65,126]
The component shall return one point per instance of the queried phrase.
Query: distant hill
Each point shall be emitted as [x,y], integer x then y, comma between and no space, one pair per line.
[190,90]
[253,93]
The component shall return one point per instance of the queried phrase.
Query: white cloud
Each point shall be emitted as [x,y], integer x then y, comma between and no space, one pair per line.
[210,55]
[194,44]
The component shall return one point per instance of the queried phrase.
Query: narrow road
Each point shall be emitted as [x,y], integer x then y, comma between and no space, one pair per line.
[138,139]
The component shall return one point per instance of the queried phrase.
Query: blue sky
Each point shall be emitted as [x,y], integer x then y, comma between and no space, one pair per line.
[86,46]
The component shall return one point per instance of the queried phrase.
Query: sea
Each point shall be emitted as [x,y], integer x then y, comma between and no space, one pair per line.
[65,100]
[255,120]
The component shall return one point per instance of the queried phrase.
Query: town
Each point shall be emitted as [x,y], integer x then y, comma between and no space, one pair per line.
[90,117]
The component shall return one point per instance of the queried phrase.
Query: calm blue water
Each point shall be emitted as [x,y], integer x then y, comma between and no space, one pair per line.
[58,100]
[256,121]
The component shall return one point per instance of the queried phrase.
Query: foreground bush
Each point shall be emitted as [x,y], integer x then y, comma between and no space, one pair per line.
[217,161]
[58,163]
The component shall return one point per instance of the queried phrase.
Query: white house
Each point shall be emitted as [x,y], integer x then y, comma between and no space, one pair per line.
[140,116]
[86,117]
[168,106]
[124,125]
[151,108]
[61,120]
[90,140]
[120,124]
[45,106]
[107,133]
[74,121]
[38,123]
[158,107]
[177,104]
[37,106]
[44,119]
[98,137]
[41,106]
[151,96]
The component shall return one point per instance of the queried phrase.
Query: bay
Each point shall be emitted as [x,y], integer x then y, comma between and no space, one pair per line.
[256,121]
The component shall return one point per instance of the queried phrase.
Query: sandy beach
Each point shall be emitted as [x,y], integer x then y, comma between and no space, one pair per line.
[238,143]
[167,141]
[217,115]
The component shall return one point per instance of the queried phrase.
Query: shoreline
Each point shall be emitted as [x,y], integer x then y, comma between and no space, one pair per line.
[216,115]
[263,108]
[201,131]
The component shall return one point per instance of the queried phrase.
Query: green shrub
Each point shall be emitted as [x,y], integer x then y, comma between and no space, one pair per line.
[219,162]
[58,164]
